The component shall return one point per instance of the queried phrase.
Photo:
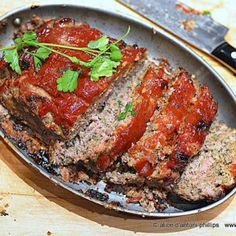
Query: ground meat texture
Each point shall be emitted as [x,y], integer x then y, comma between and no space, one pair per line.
[99,126]
[105,137]
[97,195]
[192,113]
[194,129]
[163,127]
[148,153]
[33,96]
[147,98]
[211,173]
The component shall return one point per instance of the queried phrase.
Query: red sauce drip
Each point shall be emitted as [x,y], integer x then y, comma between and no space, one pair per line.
[103,162]
[233,170]
[144,167]
[134,199]
[187,10]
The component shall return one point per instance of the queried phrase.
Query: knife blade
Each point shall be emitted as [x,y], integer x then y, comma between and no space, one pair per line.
[198,30]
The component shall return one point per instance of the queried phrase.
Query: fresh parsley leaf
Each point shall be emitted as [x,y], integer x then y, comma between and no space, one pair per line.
[129,108]
[206,13]
[104,66]
[116,55]
[122,116]
[39,56]
[75,60]
[37,63]
[68,82]
[42,53]
[19,43]
[100,44]
[119,103]
[12,57]
[29,38]
[114,47]
[97,156]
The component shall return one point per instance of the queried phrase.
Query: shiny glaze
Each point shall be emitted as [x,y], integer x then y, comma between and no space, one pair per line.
[148,95]
[67,107]
[166,125]
[233,170]
[192,136]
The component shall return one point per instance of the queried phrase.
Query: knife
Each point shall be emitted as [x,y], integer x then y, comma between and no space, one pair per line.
[199,30]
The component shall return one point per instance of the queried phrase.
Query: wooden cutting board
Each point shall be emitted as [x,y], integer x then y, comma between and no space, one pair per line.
[31,205]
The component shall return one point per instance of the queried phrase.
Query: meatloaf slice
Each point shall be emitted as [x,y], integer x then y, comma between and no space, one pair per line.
[163,128]
[211,173]
[33,96]
[175,134]
[106,136]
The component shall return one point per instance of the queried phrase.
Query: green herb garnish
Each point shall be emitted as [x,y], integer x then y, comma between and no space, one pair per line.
[68,82]
[41,55]
[119,103]
[104,66]
[129,109]
[100,44]
[107,57]
[11,57]
[206,13]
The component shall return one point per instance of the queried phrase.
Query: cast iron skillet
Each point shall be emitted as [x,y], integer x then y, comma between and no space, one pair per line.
[159,45]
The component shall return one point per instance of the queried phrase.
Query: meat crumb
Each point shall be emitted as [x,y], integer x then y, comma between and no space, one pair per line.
[189,25]
[3,24]
[34,6]
[3,212]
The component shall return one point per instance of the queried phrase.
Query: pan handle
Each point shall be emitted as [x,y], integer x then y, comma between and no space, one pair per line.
[226,54]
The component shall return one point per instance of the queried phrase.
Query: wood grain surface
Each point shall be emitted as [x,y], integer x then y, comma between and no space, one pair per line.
[31,205]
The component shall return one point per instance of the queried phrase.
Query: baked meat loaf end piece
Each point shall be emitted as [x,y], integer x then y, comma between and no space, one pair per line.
[33,96]
[211,173]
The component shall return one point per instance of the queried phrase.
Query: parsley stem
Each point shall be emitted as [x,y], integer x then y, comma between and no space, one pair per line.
[26,51]
[8,48]
[73,59]
[104,51]
[123,36]
[84,49]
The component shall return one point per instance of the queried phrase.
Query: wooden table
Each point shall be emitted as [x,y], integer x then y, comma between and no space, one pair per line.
[35,206]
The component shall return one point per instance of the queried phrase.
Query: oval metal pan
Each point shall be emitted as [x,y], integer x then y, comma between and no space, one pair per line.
[159,45]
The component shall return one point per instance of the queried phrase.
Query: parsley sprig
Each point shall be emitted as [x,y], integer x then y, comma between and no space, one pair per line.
[68,82]
[106,57]
[206,13]
[129,109]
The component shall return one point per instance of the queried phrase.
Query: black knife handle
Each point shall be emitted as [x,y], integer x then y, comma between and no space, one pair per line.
[227,54]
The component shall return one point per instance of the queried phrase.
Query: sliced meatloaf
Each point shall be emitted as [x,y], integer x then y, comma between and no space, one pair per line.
[163,128]
[211,173]
[175,133]
[33,96]
[106,137]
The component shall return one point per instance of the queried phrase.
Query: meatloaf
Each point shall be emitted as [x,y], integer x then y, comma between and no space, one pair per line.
[106,137]
[33,96]
[213,172]
[174,135]
[142,128]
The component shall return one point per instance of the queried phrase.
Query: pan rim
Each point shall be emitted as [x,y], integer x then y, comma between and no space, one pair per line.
[173,40]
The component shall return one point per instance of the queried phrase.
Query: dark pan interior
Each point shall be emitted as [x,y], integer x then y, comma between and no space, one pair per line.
[159,46]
